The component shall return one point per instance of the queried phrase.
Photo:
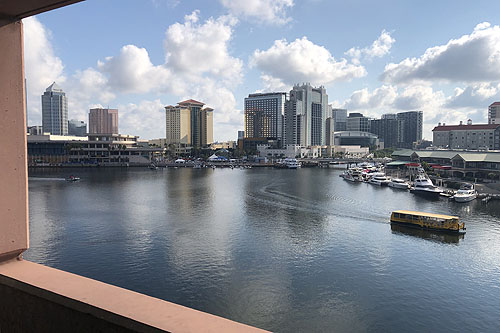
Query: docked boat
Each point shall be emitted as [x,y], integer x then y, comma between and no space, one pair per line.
[353,175]
[379,178]
[466,193]
[423,186]
[428,221]
[399,184]
[290,163]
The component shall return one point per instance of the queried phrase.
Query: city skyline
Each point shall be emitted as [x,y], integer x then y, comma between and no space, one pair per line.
[388,64]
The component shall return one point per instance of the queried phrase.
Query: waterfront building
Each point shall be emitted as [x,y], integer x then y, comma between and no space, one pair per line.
[357,122]
[305,116]
[48,149]
[77,128]
[461,136]
[35,130]
[223,145]
[55,111]
[410,128]
[339,119]
[189,123]
[103,121]
[388,130]
[264,115]
[357,138]
[494,113]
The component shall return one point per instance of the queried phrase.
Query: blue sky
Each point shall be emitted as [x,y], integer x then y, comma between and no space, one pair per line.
[374,57]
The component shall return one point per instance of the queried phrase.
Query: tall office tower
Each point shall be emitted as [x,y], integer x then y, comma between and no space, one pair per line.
[330,131]
[103,121]
[411,127]
[358,122]
[189,123]
[305,116]
[387,129]
[55,111]
[494,113]
[77,128]
[264,115]
[339,119]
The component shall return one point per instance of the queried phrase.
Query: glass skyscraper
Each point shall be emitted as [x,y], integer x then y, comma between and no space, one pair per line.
[55,111]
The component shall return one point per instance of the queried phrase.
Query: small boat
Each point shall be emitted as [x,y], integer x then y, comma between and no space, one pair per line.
[290,163]
[423,186]
[399,183]
[379,178]
[428,221]
[72,179]
[466,193]
[353,175]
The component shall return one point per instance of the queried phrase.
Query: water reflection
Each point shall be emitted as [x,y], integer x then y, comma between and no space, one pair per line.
[436,236]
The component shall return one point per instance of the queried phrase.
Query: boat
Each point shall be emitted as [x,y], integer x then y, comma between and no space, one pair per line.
[423,186]
[379,178]
[466,193]
[399,183]
[428,221]
[72,179]
[290,163]
[353,175]
[153,167]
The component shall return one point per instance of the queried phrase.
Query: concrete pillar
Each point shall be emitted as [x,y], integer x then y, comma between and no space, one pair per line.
[14,173]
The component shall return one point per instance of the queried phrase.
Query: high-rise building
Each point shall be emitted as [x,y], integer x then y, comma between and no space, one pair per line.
[411,127]
[305,116]
[103,121]
[339,119]
[358,122]
[494,113]
[330,131]
[55,111]
[189,123]
[387,129]
[241,134]
[264,115]
[77,128]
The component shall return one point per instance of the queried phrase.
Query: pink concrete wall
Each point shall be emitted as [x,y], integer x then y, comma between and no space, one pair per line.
[14,173]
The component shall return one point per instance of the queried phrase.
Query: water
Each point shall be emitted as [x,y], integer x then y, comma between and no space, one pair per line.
[284,250]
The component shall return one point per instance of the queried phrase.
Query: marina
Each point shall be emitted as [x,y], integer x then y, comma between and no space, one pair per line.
[285,250]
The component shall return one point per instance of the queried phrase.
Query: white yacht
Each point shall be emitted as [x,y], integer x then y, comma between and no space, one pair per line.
[353,175]
[379,178]
[466,193]
[291,163]
[424,186]
[399,183]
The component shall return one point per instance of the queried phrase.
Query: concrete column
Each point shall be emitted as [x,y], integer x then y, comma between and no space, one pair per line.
[14,173]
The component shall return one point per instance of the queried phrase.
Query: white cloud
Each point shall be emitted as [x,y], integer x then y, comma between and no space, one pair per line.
[475,96]
[470,58]
[264,11]
[146,118]
[303,61]
[42,66]
[379,48]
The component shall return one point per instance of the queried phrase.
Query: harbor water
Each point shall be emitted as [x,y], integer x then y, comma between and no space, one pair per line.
[284,250]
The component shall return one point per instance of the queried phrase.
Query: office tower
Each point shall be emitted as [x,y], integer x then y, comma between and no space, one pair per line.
[305,116]
[494,113]
[339,119]
[264,115]
[241,134]
[358,122]
[330,131]
[103,121]
[387,129]
[411,124]
[77,128]
[189,123]
[55,111]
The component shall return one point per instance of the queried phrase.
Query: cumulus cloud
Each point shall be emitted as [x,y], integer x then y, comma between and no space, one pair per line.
[42,66]
[264,11]
[470,58]
[303,61]
[474,96]
[379,48]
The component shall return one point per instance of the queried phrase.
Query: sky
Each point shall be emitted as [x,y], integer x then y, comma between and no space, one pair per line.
[373,57]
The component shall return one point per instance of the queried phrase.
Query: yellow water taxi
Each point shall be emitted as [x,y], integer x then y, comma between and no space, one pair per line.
[428,221]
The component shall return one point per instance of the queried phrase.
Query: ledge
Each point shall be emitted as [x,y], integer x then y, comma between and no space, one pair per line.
[52,299]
